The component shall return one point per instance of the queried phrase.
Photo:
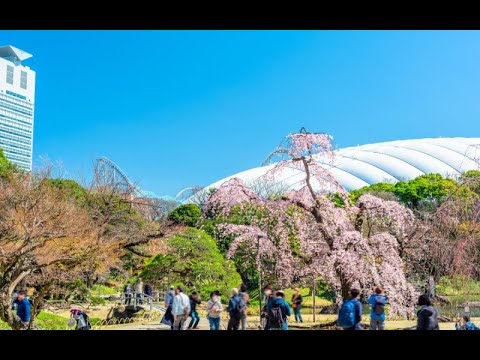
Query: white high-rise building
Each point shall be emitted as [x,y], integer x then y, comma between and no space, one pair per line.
[17,100]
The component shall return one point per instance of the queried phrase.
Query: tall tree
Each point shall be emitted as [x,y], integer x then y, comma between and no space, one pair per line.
[347,246]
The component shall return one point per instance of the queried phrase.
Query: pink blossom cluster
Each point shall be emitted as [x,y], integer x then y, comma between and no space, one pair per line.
[390,215]
[308,144]
[332,250]
[231,193]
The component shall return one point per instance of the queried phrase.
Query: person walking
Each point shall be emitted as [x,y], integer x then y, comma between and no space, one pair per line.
[214,310]
[168,317]
[81,318]
[139,290]
[148,290]
[128,294]
[236,309]
[297,300]
[350,315]
[169,297]
[23,308]
[279,310]
[467,324]
[377,301]
[194,301]
[243,293]
[427,315]
[267,300]
[180,309]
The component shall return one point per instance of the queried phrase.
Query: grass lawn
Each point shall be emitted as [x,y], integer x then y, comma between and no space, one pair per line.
[46,321]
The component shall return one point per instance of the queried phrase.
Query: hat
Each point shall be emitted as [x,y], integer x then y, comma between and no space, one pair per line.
[172,287]
[235,291]
[22,292]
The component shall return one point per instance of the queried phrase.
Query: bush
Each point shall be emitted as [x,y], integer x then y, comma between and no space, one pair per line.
[187,214]
[194,261]
[103,290]
[457,285]
[95,300]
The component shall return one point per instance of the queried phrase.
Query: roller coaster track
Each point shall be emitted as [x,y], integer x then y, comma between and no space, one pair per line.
[107,173]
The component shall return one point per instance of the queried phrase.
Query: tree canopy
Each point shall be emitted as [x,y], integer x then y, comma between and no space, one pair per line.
[192,259]
[187,214]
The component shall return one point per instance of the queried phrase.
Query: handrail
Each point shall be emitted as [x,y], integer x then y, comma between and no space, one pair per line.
[139,300]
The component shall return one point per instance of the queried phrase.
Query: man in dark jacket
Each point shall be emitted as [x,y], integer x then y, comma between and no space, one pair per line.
[279,301]
[427,315]
[267,300]
[194,301]
[233,310]
[297,300]
[23,308]
[148,290]
[355,299]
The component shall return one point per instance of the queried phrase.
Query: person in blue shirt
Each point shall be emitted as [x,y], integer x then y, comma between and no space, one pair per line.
[23,308]
[467,324]
[377,302]
[355,298]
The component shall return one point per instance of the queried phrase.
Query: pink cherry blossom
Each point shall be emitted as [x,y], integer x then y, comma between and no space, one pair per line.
[304,235]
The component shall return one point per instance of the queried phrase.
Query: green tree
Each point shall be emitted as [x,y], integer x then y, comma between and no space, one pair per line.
[187,214]
[193,259]
[471,179]
[428,190]
[6,167]
[374,189]
[76,190]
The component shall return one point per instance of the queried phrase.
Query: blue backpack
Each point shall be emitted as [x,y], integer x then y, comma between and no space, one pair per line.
[346,316]
[471,326]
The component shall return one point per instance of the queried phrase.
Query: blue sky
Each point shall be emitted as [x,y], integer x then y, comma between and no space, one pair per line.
[180,108]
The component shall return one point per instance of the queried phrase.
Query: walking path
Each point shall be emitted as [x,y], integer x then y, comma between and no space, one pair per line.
[155,325]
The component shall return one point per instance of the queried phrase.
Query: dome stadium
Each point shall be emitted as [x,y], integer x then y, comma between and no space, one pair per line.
[393,161]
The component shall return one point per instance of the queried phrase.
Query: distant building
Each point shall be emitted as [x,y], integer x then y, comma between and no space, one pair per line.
[17,101]
[364,165]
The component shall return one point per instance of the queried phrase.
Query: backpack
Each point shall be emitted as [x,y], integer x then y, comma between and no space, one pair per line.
[275,317]
[239,307]
[346,315]
[379,307]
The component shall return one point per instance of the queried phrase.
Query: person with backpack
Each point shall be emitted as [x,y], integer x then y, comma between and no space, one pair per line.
[194,301]
[236,309]
[246,297]
[297,300]
[350,315]
[267,300]
[427,315]
[214,310]
[467,324]
[377,315]
[180,309]
[81,318]
[278,312]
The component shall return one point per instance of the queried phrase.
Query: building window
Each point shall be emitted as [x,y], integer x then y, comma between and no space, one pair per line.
[9,74]
[23,80]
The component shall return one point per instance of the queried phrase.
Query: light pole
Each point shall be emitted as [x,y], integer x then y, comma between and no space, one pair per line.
[313,293]
[259,279]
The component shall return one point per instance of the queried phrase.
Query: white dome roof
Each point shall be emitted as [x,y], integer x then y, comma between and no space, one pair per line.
[358,166]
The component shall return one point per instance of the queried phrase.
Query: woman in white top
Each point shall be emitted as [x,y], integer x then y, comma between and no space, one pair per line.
[214,310]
